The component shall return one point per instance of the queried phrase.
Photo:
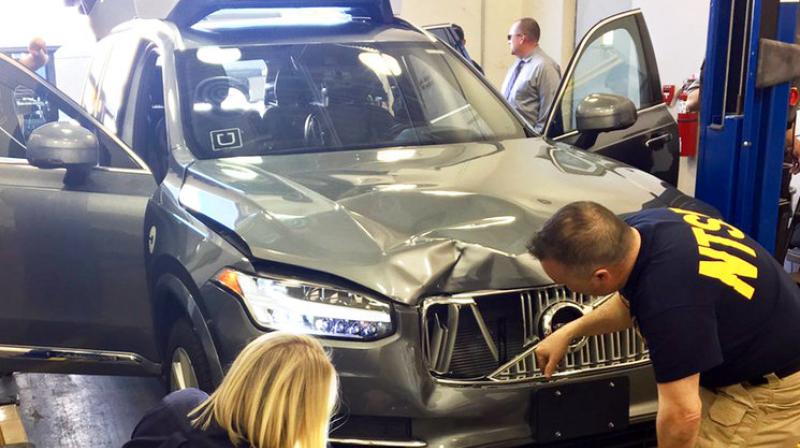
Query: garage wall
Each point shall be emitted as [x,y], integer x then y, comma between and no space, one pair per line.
[678,31]
[485,33]
[557,20]
[486,24]
[679,35]
[589,12]
[60,26]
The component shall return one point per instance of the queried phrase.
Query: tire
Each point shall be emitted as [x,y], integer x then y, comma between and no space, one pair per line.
[4,372]
[185,363]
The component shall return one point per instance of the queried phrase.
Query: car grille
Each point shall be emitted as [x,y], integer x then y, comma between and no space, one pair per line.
[489,337]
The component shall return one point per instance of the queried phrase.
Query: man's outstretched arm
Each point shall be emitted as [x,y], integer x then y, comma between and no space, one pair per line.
[613,315]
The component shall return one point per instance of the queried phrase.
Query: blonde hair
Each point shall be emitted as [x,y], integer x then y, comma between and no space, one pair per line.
[279,393]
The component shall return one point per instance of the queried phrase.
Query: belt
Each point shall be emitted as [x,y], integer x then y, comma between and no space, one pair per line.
[793,367]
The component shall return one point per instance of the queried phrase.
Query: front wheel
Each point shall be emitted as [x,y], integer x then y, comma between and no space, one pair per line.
[185,363]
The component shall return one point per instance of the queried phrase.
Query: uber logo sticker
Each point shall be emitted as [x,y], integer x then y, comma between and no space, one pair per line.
[226,139]
[151,240]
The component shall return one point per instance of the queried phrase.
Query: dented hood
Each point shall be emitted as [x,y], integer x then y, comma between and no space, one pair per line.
[412,222]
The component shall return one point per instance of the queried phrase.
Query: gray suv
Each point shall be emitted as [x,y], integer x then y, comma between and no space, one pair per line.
[337,172]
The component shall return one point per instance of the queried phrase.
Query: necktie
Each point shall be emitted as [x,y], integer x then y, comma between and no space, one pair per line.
[513,79]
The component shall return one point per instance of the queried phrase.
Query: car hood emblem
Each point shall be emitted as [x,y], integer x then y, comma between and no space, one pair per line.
[559,314]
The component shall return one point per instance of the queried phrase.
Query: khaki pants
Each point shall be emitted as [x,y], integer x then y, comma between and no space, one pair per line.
[767,415]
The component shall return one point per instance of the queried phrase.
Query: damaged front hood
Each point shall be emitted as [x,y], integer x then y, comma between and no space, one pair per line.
[412,222]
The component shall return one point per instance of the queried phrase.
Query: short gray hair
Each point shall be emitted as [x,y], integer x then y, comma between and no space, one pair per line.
[582,236]
[530,28]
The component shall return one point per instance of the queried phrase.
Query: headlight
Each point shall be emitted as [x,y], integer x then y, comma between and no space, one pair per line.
[293,305]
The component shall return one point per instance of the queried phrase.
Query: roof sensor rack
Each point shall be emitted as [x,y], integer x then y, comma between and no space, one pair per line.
[243,18]
[185,13]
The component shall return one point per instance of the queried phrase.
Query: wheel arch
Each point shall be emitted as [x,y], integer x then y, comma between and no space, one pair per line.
[175,296]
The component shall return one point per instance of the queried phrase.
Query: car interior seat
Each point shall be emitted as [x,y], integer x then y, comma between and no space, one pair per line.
[285,122]
[156,149]
[12,140]
[350,118]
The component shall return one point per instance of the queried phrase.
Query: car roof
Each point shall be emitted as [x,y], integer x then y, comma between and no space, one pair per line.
[399,31]
[184,13]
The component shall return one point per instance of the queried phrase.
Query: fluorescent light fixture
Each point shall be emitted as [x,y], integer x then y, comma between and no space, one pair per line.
[202,107]
[380,63]
[272,17]
[217,55]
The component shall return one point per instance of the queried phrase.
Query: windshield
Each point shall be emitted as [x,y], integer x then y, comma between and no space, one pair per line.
[258,100]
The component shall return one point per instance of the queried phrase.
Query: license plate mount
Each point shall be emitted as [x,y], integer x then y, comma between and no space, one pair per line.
[563,411]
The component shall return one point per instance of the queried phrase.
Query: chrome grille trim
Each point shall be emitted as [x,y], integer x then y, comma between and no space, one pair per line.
[593,354]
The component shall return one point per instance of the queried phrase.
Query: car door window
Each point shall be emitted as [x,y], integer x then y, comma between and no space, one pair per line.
[148,133]
[90,98]
[446,104]
[611,61]
[26,103]
[115,83]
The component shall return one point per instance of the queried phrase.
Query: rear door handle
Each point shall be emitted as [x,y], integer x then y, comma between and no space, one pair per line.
[663,138]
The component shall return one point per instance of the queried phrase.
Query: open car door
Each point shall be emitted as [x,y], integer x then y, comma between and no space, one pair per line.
[72,204]
[615,61]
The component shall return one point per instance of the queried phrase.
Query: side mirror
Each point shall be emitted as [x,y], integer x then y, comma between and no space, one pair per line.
[62,145]
[601,112]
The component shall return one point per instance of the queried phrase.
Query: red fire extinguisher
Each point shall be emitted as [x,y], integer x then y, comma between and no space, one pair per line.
[688,128]
[668,93]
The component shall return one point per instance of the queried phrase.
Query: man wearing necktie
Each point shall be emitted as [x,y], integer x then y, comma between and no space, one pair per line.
[532,82]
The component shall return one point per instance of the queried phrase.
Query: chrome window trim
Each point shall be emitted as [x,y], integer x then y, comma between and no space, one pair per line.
[111,169]
[15,161]
[389,443]
[556,375]
[60,354]
[12,138]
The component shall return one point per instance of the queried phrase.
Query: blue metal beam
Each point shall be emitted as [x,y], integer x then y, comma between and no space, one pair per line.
[743,127]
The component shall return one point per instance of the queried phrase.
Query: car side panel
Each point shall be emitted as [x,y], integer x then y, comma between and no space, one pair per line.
[73,260]
[658,157]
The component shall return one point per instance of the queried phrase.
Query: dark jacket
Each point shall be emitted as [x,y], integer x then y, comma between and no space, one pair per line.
[167,426]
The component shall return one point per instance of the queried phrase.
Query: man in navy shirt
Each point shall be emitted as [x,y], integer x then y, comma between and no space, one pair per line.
[720,316]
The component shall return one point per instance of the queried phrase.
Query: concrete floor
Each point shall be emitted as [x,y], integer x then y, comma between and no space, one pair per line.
[72,411]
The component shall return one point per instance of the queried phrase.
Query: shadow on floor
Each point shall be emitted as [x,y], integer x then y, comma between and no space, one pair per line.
[76,411]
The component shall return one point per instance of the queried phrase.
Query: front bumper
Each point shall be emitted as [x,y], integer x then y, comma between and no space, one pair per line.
[389,395]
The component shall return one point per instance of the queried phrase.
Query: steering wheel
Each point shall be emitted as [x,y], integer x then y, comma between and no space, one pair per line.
[314,133]
[397,129]
[215,89]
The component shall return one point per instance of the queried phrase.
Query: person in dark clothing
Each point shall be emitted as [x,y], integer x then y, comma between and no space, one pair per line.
[719,314]
[461,46]
[167,425]
[280,392]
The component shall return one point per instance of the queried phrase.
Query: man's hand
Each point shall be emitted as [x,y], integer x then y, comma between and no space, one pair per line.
[612,315]
[551,350]
[693,101]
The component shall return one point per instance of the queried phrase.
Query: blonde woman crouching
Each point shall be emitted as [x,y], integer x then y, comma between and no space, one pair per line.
[280,392]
